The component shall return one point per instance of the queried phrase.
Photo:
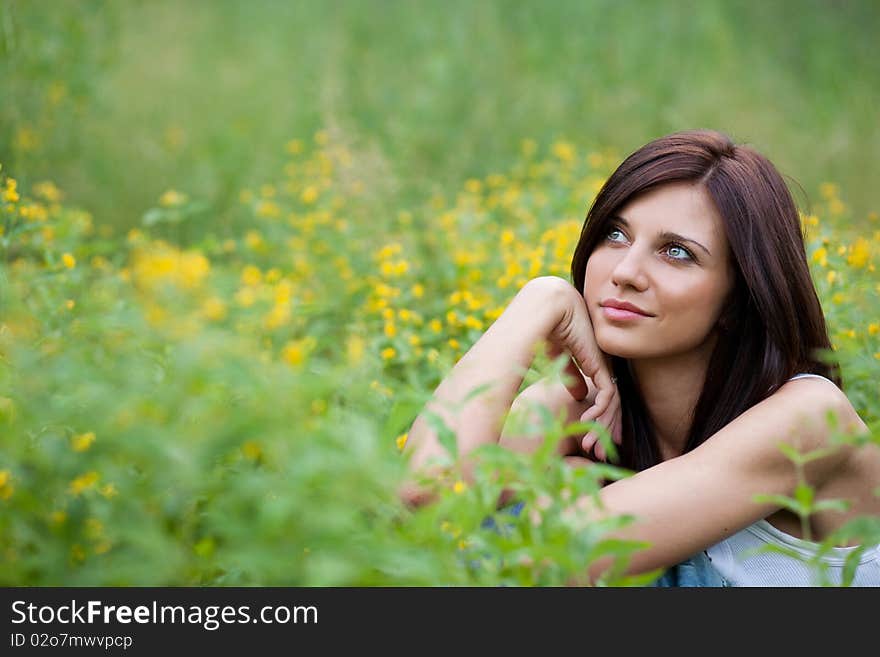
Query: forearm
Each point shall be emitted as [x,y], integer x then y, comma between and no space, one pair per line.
[498,360]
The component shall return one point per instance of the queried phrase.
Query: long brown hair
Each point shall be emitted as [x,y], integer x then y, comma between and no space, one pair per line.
[773,326]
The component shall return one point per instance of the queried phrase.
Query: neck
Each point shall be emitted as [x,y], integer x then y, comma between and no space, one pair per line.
[670,387]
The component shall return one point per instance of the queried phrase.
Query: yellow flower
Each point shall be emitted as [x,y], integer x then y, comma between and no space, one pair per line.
[400,441]
[245,297]
[268,209]
[83,441]
[390,330]
[859,253]
[68,260]
[459,487]
[251,450]
[296,351]
[251,275]
[355,347]
[836,206]
[172,198]
[820,256]
[10,194]
[6,487]
[277,316]
[473,186]
[214,309]
[48,191]
[829,190]
[388,353]
[309,195]
[873,329]
[564,151]
[831,276]
[84,482]
[453,343]
[418,290]
[435,325]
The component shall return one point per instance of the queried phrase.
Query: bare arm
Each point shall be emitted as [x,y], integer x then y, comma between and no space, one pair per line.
[555,397]
[547,309]
[689,503]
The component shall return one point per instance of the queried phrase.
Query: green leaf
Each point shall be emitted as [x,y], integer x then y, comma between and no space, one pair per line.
[782,501]
[445,435]
[832,505]
[804,494]
[402,415]
[790,452]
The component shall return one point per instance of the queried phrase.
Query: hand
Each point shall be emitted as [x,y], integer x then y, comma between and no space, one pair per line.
[572,333]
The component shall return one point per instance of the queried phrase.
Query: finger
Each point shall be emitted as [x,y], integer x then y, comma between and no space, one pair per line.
[578,461]
[589,441]
[600,452]
[617,434]
[607,390]
[574,382]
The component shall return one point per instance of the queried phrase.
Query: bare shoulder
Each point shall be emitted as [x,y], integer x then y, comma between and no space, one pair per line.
[815,399]
[804,414]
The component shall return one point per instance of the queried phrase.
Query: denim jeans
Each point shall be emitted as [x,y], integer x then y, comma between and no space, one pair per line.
[695,571]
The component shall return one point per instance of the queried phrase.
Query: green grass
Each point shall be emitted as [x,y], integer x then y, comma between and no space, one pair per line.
[202,96]
[218,398]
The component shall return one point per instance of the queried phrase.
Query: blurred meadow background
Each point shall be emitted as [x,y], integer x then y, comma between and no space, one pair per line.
[241,243]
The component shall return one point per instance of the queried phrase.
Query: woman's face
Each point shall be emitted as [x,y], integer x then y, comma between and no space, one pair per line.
[667,254]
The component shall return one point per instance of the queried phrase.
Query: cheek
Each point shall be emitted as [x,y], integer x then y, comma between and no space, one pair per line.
[595,273]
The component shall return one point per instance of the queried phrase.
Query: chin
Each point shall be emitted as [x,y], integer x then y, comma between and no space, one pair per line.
[623,348]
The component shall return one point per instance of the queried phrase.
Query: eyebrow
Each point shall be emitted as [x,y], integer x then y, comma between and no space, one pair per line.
[666,235]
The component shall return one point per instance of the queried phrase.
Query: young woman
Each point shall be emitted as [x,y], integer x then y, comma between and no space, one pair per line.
[696,334]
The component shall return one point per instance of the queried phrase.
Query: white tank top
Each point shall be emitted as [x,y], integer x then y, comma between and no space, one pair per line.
[730,557]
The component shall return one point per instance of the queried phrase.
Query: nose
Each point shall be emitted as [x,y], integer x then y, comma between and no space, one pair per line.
[629,270]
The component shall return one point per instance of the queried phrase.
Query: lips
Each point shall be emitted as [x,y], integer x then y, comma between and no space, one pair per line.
[625,307]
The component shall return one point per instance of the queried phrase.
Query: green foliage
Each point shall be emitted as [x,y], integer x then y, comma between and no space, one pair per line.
[119,101]
[212,387]
[231,413]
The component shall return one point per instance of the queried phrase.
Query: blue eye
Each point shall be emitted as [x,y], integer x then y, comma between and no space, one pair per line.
[672,251]
[684,253]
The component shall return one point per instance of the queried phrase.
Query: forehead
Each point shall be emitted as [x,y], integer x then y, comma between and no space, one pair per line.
[680,207]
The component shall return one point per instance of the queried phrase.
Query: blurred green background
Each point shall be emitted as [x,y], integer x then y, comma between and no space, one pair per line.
[117,102]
